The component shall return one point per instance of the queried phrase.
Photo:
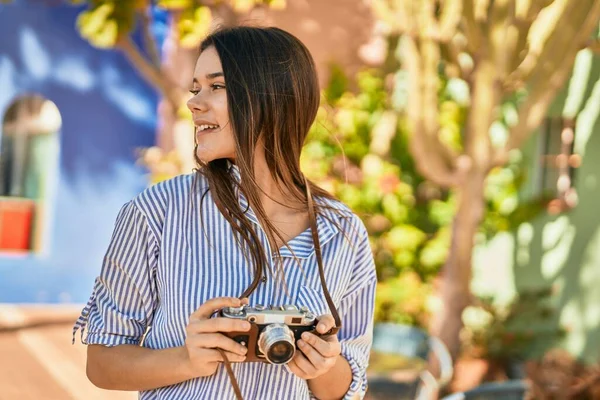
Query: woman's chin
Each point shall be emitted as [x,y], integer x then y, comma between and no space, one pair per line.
[208,157]
[204,157]
[206,154]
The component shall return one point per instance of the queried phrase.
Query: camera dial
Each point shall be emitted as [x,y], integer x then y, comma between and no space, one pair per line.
[235,310]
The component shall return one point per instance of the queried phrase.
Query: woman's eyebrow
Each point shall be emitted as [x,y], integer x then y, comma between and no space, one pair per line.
[212,75]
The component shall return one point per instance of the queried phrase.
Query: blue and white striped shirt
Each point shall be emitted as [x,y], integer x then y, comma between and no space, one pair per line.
[161,265]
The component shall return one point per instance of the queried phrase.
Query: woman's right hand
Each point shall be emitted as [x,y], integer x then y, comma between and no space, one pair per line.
[204,336]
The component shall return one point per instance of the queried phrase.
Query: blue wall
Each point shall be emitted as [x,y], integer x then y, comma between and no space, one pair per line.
[107,112]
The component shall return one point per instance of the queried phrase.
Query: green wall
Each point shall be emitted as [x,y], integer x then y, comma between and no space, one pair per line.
[562,251]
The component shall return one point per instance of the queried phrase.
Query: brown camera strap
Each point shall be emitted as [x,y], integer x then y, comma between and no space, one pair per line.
[338,323]
[232,378]
[312,216]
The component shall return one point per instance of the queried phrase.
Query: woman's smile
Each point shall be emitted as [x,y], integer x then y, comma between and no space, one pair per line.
[204,129]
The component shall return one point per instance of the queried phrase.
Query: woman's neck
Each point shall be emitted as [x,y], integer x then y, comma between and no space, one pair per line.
[277,201]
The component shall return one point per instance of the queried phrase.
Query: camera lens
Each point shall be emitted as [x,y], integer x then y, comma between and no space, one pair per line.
[281,352]
[276,342]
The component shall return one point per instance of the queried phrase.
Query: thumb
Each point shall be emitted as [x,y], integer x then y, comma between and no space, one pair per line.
[326,322]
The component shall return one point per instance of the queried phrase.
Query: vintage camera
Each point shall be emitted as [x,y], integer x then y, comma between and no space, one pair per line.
[274,330]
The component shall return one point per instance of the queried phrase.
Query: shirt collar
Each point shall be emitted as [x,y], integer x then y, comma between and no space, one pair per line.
[301,246]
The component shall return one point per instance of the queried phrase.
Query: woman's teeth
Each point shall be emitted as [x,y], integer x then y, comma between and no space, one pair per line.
[205,127]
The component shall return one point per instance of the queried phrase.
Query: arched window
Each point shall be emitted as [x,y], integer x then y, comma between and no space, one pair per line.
[28,170]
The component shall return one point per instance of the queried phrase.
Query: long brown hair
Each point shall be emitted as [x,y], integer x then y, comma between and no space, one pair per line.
[273,96]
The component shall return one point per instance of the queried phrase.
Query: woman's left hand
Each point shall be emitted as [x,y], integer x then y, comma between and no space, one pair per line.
[318,355]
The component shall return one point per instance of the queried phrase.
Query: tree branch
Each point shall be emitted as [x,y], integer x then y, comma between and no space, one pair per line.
[502,39]
[550,40]
[594,45]
[450,52]
[481,10]
[472,29]
[405,18]
[150,72]
[526,12]
[486,97]
[449,20]
[551,77]
[149,42]
[424,144]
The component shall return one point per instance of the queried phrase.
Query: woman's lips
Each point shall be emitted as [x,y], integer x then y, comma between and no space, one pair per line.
[209,130]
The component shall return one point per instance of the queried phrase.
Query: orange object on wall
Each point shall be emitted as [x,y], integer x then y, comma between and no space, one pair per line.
[16,223]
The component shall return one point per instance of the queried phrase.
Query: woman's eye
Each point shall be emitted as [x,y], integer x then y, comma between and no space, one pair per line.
[216,86]
[194,91]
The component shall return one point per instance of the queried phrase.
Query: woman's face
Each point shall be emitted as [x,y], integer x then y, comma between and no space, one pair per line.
[214,135]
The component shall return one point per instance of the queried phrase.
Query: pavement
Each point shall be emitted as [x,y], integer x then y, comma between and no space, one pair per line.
[38,360]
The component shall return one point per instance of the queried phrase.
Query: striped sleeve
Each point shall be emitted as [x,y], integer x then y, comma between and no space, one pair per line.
[358,304]
[122,302]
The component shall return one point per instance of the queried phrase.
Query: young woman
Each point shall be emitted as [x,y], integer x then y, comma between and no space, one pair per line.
[236,231]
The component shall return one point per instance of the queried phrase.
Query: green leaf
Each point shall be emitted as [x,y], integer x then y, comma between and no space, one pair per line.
[243,6]
[107,37]
[175,4]
[404,237]
[276,4]
[393,209]
[106,21]
[90,22]
[338,84]
[194,25]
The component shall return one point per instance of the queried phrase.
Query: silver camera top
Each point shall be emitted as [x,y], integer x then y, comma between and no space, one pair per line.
[287,314]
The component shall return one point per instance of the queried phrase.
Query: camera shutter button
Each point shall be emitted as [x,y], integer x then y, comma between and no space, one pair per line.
[236,310]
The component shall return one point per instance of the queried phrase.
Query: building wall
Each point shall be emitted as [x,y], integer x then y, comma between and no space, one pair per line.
[107,112]
[335,31]
[562,251]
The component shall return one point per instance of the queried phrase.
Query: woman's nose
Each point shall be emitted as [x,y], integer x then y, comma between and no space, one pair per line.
[196,104]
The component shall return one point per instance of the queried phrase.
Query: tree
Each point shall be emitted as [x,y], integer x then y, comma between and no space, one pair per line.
[515,53]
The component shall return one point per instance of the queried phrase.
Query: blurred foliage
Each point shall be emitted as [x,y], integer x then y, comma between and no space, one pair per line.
[105,22]
[358,150]
[193,25]
[522,329]
[162,165]
[404,299]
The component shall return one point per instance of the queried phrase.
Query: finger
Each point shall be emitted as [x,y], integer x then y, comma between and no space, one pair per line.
[208,308]
[294,369]
[304,365]
[218,325]
[326,322]
[316,359]
[327,347]
[217,340]
[212,355]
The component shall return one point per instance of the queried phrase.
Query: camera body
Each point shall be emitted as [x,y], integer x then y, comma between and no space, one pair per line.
[274,330]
